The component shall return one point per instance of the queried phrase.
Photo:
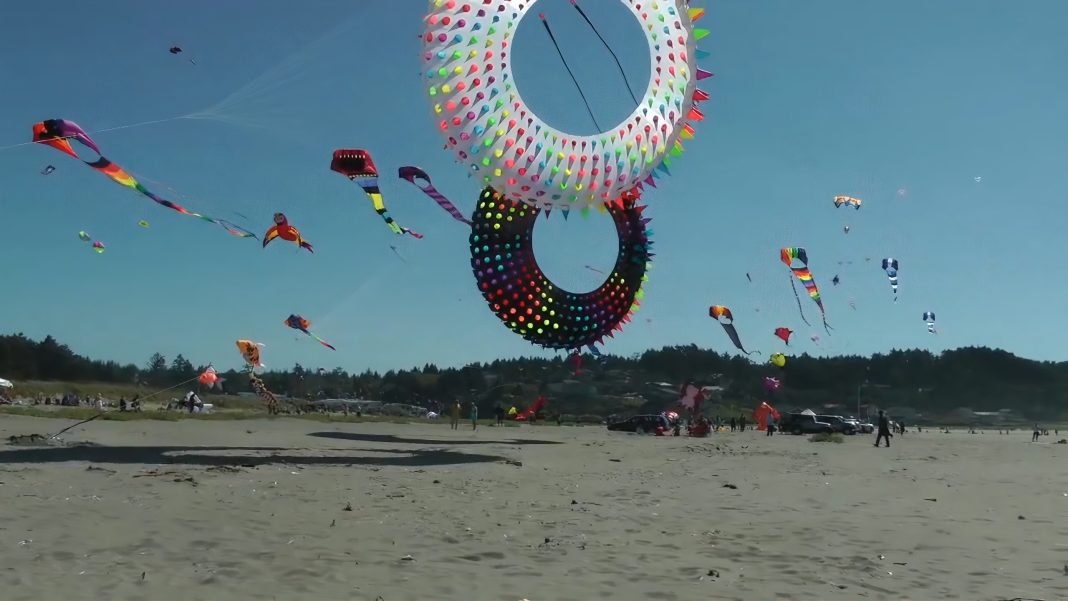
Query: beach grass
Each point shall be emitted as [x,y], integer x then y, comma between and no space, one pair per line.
[827,437]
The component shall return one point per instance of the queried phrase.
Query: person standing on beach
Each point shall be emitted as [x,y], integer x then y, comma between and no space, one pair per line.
[884,429]
[499,410]
[1034,435]
[734,424]
[771,424]
[454,416]
[474,415]
[741,423]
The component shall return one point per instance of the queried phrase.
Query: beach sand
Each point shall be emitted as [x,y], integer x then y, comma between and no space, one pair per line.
[239,510]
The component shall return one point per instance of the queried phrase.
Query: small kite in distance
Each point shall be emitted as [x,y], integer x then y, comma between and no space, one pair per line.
[929,317]
[784,334]
[178,50]
[299,323]
[143,223]
[847,200]
[835,280]
[48,170]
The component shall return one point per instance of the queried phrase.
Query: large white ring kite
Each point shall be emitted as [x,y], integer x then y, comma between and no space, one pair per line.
[485,122]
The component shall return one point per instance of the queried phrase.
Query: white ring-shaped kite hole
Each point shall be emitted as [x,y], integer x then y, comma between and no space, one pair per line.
[485,122]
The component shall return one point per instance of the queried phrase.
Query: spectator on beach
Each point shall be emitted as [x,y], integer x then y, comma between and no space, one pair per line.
[474,415]
[741,423]
[734,424]
[122,404]
[884,429]
[1034,435]
[901,425]
[454,415]
[498,409]
[770,423]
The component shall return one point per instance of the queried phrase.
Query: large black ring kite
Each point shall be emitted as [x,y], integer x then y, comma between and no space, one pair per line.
[519,293]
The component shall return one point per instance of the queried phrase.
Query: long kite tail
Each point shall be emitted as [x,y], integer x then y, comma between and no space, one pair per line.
[322,342]
[121,176]
[411,173]
[609,48]
[800,310]
[566,66]
[370,187]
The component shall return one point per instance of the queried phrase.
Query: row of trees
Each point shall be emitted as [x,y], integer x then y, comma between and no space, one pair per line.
[979,378]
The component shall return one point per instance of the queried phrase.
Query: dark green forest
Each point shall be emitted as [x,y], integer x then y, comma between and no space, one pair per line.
[980,378]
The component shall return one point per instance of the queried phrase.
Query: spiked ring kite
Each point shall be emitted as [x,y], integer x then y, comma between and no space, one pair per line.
[519,293]
[482,116]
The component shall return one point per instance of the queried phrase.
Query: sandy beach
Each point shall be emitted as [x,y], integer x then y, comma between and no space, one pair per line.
[294,509]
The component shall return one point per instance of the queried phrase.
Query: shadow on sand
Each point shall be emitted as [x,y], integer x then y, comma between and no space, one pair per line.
[389,438]
[237,456]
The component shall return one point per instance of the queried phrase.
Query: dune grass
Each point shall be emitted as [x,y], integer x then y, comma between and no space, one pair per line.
[827,437]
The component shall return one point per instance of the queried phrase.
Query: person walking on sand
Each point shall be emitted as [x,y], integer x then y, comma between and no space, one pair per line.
[884,429]
[770,424]
[1034,435]
[454,416]
[474,415]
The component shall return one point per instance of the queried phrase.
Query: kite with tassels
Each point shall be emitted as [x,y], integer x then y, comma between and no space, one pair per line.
[58,133]
[797,260]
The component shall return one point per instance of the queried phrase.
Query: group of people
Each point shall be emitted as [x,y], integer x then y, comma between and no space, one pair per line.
[456,409]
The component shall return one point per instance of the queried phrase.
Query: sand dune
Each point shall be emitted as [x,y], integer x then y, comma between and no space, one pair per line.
[258,510]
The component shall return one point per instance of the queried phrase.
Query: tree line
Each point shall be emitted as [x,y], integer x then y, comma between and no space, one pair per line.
[979,378]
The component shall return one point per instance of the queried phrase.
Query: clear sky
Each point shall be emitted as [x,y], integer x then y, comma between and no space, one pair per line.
[901,103]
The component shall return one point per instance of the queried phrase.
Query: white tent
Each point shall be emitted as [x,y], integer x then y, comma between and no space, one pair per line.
[6,383]
[808,412]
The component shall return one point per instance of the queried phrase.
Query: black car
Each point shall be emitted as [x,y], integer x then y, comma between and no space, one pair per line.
[839,423]
[803,423]
[640,424]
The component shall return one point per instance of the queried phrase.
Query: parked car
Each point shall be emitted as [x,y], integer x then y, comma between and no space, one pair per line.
[862,426]
[803,423]
[839,423]
[640,424]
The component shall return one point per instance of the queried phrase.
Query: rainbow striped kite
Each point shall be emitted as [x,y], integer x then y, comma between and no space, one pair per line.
[791,256]
[57,133]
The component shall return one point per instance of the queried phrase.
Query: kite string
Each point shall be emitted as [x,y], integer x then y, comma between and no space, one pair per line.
[101,413]
[545,22]
[609,48]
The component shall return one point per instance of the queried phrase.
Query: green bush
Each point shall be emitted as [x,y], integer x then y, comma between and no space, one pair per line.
[827,437]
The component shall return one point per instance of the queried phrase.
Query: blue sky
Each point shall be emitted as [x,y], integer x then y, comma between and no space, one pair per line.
[809,100]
